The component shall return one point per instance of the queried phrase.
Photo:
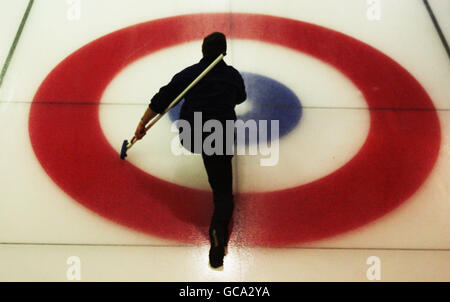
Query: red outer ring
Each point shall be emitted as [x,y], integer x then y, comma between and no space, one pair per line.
[398,155]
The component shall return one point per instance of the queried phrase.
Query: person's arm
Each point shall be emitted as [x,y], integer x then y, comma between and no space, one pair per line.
[168,93]
[161,101]
[148,116]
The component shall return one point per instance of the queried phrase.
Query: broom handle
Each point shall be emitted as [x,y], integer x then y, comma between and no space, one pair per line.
[180,96]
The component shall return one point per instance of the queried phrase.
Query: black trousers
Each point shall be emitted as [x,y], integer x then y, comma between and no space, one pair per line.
[220,177]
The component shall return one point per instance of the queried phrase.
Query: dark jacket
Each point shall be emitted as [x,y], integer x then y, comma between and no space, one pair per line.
[215,95]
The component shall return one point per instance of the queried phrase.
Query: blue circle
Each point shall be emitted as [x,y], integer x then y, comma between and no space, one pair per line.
[268,100]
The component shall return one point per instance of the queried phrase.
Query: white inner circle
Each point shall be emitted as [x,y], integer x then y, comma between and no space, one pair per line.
[332,129]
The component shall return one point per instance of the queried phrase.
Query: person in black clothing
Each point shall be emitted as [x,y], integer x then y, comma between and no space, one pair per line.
[215,97]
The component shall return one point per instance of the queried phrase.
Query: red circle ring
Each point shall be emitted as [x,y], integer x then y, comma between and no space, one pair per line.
[399,153]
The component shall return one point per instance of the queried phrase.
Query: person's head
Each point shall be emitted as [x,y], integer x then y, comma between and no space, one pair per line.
[213,45]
